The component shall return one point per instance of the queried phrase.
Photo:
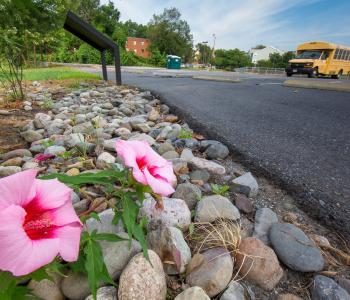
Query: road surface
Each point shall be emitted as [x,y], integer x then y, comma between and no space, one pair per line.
[299,138]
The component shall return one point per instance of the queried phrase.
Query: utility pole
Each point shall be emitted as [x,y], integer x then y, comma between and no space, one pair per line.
[213,51]
[204,44]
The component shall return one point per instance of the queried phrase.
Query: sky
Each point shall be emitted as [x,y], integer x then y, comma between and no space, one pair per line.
[245,23]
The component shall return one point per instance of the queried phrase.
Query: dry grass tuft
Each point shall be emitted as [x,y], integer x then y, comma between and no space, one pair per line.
[222,233]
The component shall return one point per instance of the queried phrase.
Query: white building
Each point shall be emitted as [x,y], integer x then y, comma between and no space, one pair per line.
[263,54]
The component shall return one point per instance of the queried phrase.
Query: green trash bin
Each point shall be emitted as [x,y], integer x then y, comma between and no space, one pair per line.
[173,62]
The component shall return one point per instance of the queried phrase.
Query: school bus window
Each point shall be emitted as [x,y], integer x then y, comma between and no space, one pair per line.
[342,54]
[336,54]
[347,55]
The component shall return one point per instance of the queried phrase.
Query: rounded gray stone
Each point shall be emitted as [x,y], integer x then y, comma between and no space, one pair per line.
[213,272]
[295,249]
[324,288]
[189,192]
[214,207]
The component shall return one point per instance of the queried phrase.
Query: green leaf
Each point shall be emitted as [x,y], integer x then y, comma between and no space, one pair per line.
[117,216]
[140,236]
[109,237]
[107,178]
[95,216]
[79,265]
[40,274]
[130,212]
[9,289]
[93,265]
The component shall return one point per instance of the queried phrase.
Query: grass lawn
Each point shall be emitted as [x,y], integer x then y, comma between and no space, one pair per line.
[57,73]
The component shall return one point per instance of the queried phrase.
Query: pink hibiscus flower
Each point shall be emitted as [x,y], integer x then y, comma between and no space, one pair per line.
[148,167]
[43,157]
[37,222]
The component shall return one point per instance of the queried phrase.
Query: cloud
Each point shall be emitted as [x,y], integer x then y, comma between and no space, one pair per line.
[243,24]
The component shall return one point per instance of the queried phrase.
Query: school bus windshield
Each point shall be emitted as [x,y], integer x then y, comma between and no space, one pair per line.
[309,54]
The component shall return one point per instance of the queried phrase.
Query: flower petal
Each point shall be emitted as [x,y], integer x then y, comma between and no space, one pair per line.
[19,254]
[166,172]
[64,215]
[69,240]
[159,186]
[51,193]
[41,253]
[17,188]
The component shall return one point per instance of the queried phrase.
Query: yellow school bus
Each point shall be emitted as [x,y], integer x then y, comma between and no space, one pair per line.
[320,59]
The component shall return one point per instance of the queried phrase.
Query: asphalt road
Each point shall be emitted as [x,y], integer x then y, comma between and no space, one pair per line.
[299,138]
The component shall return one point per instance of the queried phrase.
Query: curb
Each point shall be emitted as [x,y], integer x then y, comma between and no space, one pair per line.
[318,85]
[217,78]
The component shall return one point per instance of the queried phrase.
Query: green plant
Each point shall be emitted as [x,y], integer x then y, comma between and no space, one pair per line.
[48,143]
[185,134]
[65,154]
[11,72]
[219,189]
[48,104]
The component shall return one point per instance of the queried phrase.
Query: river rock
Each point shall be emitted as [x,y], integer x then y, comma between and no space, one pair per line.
[193,293]
[212,207]
[104,225]
[325,288]
[55,150]
[214,149]
[210,166]
[258,263]
[264,218]
[73,140]
[200,176]
[235,291]
[169,244]
[165,147]
[143,137]
[211,270]
[246,184]
[295,249]
[32,136]
[188,192]
[344,283]
[243,203]
[16,153]
[175,213]
[6,171]
[41,120]
[104,160]
[105,293]
[171,155]
[47,289]
[15,161]
[143,280]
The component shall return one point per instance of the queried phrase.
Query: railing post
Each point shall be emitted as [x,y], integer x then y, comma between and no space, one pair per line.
[118,75]
[104,67]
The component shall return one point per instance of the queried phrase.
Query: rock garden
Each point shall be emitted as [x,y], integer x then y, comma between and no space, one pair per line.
[160,212]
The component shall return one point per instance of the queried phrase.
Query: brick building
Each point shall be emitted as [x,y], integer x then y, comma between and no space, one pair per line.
[139,46]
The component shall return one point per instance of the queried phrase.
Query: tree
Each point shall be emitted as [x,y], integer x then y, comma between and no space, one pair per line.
[134,29]
[276,60]
[170,34]
[205,53]
[259,46]
[106,18]
[230,59]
